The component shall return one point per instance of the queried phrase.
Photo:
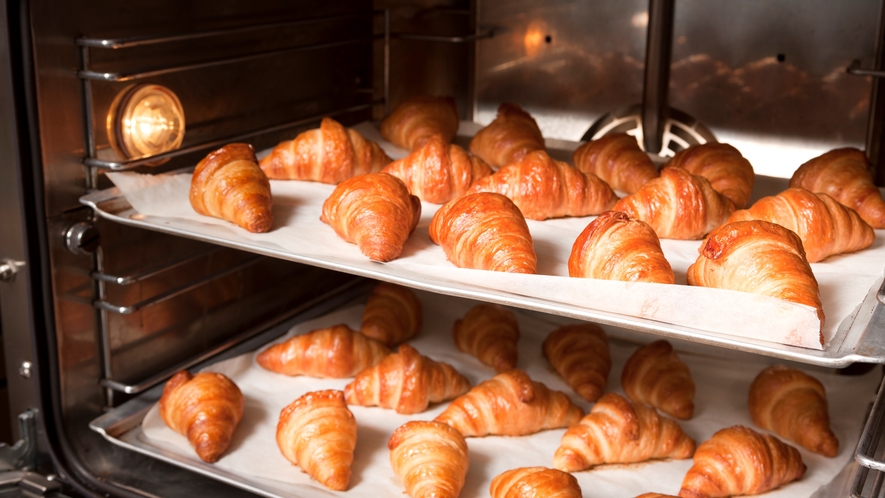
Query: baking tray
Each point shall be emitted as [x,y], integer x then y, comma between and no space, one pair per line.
[857,338]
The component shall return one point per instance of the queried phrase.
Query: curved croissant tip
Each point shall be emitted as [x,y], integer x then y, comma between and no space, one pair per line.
[338,481]
[568,461]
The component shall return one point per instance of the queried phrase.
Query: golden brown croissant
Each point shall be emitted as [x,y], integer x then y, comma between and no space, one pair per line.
[392,314]
[489,332]
[417,119]
[206,408]
[510,404]
[740,461]
[228,184]
[335,352]
[375,212]
[317,432]
[535,482]
[655,495]
[617,160]
[406,382]
[825,226]
[655,375]
[438,171]
[545,188]
[328,154]
[844,174]
[618,431]
[484,231]
[430,458]
[728,172]
[579,353]
[793,405]
[759,257]
[615,247]
[678,205]
[513,134]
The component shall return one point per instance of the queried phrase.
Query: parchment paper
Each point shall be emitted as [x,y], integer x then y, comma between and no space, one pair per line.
[844,280]
[722,379]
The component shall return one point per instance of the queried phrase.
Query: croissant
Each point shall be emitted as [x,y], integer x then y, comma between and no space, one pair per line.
[617,160]
[535,482]
[392,314]
[825,226]
[317,432]
[844,174]
[328,154]
[485,231]
[430,458]
[489,332]
[510,404]
[542,188]
[406,382]
[655,495]
[513,134]
[375,212]
[793,405]
[615,247]
[759,257]
[206,408]
[417,119]
[438,171]
[618,431]
[655,375]
[728,172]
[579,353]
[740,461]
[335,352]
[678,205]
[228,184]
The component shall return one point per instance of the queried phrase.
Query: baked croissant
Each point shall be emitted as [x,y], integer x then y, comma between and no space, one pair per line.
[844,174]
[615,247]
[337,352]
[655,495]
[728,171]
[228,184]
[417,119]
[542,188]
[740,461]
[825,226]
[618,431]
[617,160]
[406,382]
[579,353]
[490,333]
[513,134]
[392,314]
[655,375]
[438,171]
[375,212]
[793,405]
[759,257]
[484,231]
[328,154]
[510,404]
[430,458]
[535,482]
[678,205]
[317,432]
[206,408]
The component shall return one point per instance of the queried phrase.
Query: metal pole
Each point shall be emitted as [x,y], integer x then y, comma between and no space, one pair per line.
[657,73]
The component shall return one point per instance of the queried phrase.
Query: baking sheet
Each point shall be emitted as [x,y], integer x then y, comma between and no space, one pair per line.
[723,378]
[733,319]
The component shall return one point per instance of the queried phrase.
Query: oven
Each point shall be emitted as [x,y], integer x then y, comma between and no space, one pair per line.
[99,307]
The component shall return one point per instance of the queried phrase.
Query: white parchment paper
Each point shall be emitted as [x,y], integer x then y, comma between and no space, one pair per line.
[722,379]
[844,280]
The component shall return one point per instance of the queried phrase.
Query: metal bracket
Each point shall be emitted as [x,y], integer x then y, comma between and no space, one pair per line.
[21,455]
[9,268]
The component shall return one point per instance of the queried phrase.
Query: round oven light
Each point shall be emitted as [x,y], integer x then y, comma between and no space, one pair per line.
[145,120]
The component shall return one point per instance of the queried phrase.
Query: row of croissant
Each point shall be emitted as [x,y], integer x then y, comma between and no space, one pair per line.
[831,207]
[318,432]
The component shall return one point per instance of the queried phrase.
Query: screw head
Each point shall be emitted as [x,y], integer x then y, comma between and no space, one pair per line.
[24,370]
[82,238]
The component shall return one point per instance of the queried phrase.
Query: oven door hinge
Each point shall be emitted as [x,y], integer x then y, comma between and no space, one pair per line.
[23,454]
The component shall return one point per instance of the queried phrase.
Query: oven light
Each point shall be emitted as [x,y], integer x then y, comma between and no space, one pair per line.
[145,120]
[536,35]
